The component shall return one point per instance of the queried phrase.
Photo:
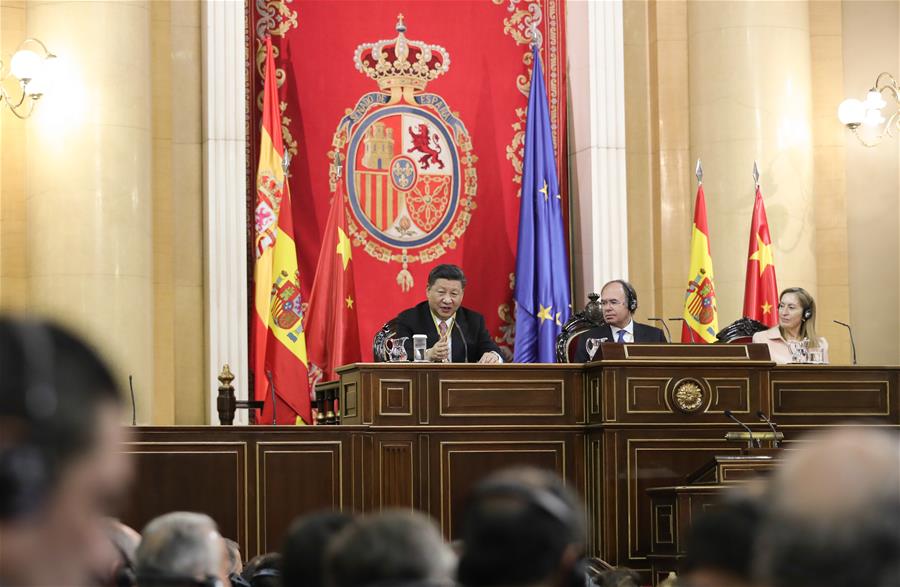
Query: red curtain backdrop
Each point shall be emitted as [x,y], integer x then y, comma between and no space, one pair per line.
[485,88]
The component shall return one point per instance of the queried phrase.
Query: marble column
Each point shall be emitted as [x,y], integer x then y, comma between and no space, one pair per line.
[224,183]
[750,99]
[599,215]
[89,182]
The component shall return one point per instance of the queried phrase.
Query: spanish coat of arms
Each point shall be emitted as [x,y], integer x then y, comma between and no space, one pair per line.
[411,178]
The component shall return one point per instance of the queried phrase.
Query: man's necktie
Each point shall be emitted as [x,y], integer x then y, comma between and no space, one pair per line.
[620,336]
[442,329]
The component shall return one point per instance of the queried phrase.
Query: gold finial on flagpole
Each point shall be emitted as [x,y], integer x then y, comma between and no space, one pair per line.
[699,171]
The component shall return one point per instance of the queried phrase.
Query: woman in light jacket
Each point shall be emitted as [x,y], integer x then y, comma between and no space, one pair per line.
[796,322]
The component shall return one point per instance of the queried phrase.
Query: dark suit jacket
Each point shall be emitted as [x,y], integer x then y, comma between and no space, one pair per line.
[642,333]
[418,320]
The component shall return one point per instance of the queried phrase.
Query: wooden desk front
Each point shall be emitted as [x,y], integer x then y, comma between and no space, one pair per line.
[421,435]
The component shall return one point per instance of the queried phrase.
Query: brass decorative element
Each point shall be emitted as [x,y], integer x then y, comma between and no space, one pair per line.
[688,395]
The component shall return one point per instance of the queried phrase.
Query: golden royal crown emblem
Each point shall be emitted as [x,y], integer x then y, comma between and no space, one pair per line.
[411,178]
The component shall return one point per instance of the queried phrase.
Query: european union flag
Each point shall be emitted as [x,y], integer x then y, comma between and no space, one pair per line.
[542,266]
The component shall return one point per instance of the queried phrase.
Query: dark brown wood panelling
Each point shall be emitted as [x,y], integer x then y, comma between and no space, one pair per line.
[206,477]
[295,478]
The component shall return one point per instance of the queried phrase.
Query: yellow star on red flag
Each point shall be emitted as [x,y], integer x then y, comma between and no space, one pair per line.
[763,254]
[766,307]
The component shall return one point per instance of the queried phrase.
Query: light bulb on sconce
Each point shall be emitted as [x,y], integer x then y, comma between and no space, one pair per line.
[31,69]
[869,112]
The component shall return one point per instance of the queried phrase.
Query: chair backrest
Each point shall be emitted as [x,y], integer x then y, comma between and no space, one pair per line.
[389,330]
[577,325]
[741,331]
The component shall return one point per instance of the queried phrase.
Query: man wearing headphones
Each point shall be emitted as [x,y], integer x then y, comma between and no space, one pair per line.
[61,460]
[618,300]
[523,527]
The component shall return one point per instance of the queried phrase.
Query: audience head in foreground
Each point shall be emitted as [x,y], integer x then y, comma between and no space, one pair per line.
[305,545]
[182,549]
[394,548]
[720,545]
[522,527]
[834,513]
[263,571]
[61,467]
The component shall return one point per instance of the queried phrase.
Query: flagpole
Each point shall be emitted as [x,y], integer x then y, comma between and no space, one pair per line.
[755,175]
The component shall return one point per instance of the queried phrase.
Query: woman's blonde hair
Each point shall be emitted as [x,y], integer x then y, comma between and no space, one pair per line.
[807,325]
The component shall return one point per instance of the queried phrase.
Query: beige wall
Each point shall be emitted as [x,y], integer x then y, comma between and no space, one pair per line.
[121,222]
[870,41]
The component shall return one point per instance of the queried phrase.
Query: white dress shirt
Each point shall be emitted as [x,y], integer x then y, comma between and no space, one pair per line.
[629,332]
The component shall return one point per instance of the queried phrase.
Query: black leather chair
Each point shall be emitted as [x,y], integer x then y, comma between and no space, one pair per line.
[741,331]
[389,330]
[577,325]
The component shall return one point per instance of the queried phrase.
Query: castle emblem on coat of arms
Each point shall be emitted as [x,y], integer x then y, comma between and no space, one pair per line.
[410,170]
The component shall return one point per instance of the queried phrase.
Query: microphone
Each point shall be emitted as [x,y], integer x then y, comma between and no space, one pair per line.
[133,405]
[272,387]
[852,344]
[762,417]
[463,337]
[665,327]
[754,442]
[690,330]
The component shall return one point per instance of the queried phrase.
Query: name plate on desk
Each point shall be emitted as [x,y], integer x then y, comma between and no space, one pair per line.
[613,351]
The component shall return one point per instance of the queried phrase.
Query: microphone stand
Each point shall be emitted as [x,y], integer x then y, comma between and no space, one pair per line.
[852,344]
[754,442]
[771,424]
[272,387]
[690,330]
[665,327]
[463,337]
[133,405]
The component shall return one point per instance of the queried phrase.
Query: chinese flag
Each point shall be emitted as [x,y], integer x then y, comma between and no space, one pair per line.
[701,320]
[332,324]
[761,289]
[277,342]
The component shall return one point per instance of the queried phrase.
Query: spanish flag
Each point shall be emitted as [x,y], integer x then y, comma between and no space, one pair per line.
[278,343]
[701,321]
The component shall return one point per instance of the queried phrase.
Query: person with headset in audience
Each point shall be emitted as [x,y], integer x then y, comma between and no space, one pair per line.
[618,301]
[182,549]
[394,548]
[523,527]
[62,467]
[796,324]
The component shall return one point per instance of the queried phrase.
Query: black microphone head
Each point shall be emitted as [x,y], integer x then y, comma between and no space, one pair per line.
[728,414]
[761,416]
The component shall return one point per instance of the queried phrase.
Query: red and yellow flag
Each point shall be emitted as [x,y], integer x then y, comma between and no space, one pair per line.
[761,288]
[278,343]
[332,322]
[701,320]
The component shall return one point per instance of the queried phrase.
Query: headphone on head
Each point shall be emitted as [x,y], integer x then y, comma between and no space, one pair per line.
[547,502]
[630,294]
[807,314]
[25,466]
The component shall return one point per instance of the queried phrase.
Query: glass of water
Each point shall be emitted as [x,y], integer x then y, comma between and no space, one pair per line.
[419,343]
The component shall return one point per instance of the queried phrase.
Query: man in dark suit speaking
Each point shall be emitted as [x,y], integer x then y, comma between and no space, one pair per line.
[455,334]
[618,299]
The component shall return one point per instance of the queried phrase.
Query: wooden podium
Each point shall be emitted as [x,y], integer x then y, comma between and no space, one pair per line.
[419,435]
